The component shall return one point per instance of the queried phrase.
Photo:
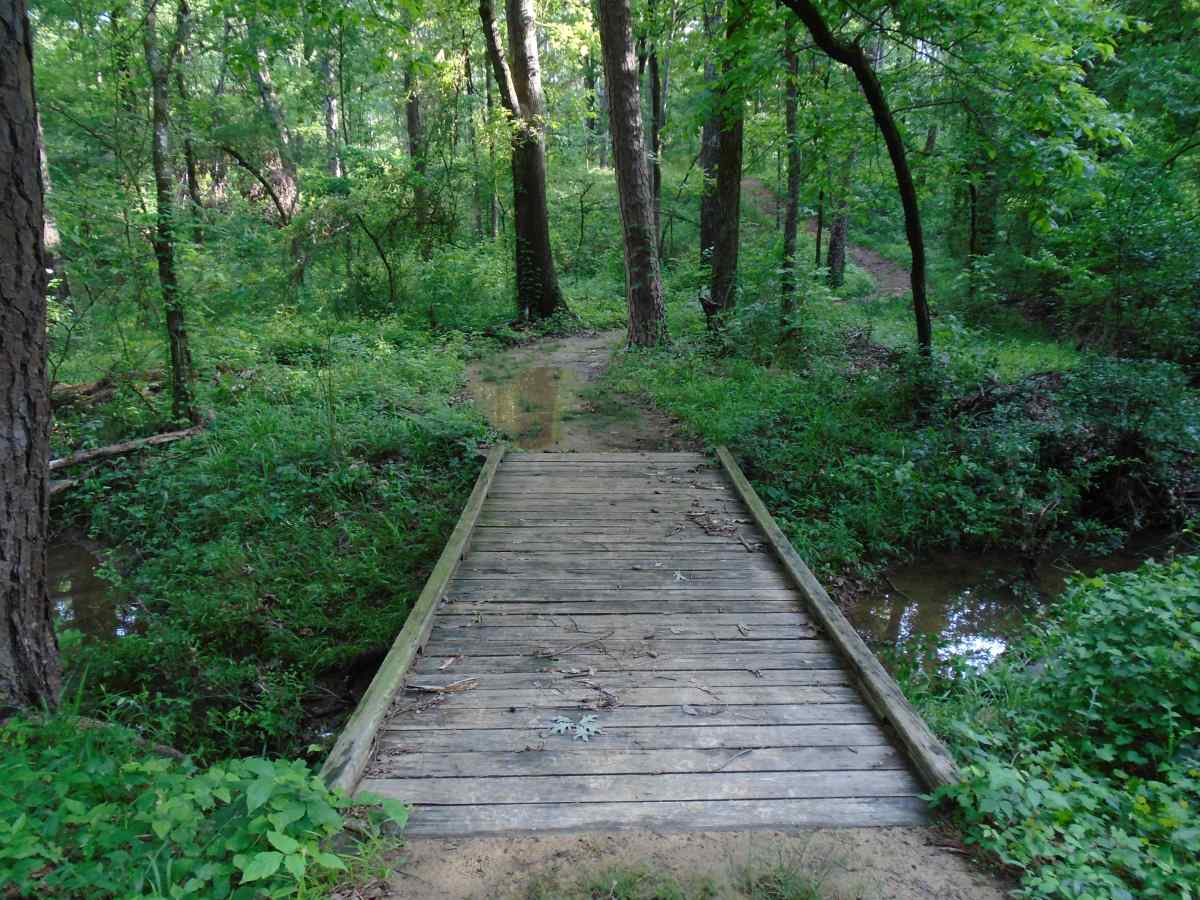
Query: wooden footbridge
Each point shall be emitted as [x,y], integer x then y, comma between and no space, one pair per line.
[651,596]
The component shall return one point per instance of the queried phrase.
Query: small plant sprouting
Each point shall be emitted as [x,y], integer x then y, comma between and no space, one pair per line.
[583,730]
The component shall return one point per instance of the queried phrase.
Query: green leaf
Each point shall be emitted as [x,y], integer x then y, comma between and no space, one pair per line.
[282,842]
[328,860]
[262,865]
[258,792]
[295,864]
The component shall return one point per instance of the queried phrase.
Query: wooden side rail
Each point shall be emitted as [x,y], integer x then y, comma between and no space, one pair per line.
[927,753]
[348,758]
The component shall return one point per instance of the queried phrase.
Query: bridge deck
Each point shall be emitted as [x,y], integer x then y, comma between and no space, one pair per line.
[636,588]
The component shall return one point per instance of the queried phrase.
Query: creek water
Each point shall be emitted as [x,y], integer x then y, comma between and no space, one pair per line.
[976,604]
[81,599]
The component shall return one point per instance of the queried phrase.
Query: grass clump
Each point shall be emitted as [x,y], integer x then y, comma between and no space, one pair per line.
[1081,746]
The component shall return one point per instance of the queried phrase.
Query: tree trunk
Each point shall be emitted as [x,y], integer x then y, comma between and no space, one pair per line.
[791,220]
[710,147]
[656,124]
[494,200]
[820,224]
[191,178]
[284,175]
[415,125]
[852,56]
[164,239]
[837,244]
[333,125]
[643,282]
[29,668]
[723,293]
[538,293]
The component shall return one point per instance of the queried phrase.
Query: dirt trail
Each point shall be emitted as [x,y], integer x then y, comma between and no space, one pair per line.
[891,280]
[541,396]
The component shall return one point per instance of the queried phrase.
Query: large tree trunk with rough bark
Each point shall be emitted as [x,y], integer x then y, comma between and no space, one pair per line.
[656,125]
[159,69]
[415,126]
[710,146]
[791,219]
[538,293]
[723,293]
[855,58]
[29,669]
[643,282]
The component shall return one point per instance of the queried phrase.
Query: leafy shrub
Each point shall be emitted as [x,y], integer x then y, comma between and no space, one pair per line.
[1082,746]
[267,555]
[91,813]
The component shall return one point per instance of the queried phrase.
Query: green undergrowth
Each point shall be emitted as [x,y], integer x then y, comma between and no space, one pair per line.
[866,453]
[265,558]
[1080,745]
[93,812]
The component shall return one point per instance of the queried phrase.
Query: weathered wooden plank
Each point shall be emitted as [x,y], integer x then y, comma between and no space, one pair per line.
[698,815]
[653,737]
[397,762]
[666,534]
[538,593]
[538,635]
[697,557]
[746,564]
[691,605]
[618,681]
[746,650]
[671,786]
[578,692]
[600,544]
[349,755]
[648,457]
[927,752]
[623,716]
[570,518]
[664,580]
[431,661]
[589,621]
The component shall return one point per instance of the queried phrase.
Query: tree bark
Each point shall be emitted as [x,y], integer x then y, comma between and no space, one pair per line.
[791,220]
[494,200]
[839,229]
[192,179]
[538,292]
[723,294]
[29,667]
[415,125]
[710,147]
[852,56]
[656,124]
[643,281]
[333,124]
[284,175]
[159,69]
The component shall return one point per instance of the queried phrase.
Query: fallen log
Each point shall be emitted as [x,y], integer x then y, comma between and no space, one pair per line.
[57,487]
[156,440]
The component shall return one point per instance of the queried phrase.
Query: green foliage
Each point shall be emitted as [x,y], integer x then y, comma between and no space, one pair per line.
[293,535]
[1082,745]
[859,465]
[91,812]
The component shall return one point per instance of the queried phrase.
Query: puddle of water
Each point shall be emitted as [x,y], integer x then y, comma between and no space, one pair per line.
[977,603]
[81,600]
[530,406]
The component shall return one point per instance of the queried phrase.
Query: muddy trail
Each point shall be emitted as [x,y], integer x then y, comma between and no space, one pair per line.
[543,396]
[891,279]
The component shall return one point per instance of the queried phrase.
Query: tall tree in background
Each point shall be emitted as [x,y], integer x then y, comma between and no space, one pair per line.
[791,219]
[29,669]
[159,68]
[855,58]
[538,293]
[643,281]
[723,293]
[710,146]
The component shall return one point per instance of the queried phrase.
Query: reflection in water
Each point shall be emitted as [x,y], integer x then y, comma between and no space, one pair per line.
[82,600]
[975,604]
[529,407]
